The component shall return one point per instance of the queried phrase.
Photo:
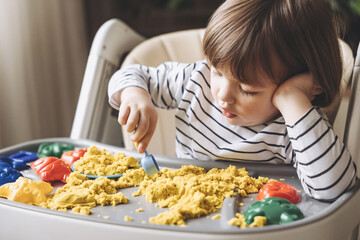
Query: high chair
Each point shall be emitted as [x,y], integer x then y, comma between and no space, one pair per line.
[117,45]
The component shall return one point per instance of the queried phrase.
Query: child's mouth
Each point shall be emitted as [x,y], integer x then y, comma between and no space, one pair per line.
[228,114]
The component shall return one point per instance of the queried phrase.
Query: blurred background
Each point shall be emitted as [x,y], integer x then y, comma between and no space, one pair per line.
[44,46]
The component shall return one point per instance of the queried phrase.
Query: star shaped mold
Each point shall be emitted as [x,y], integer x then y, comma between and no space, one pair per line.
[26,191]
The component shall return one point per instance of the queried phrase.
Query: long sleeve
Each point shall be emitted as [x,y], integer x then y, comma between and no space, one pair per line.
[323,163]
[165,83]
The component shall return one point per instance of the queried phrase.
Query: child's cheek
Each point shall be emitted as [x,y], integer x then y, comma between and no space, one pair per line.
[214,89]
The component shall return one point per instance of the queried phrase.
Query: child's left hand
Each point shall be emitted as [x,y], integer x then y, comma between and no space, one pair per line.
[293,97]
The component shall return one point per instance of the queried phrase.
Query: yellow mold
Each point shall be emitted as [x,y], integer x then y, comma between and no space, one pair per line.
[26,191]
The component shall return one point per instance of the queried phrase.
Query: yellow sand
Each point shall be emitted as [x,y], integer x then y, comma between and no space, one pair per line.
[216,217]
[239,220]
[128,219]
[188,192]
[100,163]
[191,192]
[80,194]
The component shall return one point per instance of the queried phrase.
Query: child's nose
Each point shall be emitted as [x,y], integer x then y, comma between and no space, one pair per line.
[225,95]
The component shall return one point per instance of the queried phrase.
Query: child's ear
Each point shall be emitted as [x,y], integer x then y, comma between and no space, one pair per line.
[317,89]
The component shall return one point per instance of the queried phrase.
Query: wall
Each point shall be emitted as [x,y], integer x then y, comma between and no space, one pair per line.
[43,52]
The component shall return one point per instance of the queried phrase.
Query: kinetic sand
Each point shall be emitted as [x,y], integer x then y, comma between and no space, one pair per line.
[239,220]
[191,192]
[81,194]
[188,192]
[102,163]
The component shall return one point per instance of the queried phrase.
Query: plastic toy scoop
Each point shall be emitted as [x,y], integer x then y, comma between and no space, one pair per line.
[149,163]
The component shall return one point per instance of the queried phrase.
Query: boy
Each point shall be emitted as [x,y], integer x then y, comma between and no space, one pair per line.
[269,66]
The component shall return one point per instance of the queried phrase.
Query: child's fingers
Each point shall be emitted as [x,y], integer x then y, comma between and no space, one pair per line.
[144,142]
[132,121]
[124,112]
[141,128]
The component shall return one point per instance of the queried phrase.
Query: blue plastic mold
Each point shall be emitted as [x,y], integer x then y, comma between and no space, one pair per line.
[4,164]
[12,163]
[8,175]
[24,156]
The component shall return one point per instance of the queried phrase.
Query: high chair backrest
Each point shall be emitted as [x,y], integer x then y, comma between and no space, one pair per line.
[186,46]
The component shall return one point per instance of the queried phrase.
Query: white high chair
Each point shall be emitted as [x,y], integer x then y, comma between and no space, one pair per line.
[95,120]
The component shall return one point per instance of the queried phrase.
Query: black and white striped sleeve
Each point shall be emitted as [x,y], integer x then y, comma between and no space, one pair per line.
[163,82]
[323,163]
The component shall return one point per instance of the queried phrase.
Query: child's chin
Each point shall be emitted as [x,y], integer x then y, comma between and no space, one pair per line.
[236,121]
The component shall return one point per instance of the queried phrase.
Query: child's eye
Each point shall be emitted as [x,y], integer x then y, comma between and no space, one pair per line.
[218,74]
[242,91]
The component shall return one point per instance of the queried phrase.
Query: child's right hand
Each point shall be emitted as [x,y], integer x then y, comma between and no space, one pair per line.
[293,97]
[138,114]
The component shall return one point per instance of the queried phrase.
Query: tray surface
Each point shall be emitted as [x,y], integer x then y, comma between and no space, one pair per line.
[311,208]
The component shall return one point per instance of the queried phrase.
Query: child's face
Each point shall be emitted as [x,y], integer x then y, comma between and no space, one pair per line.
[243,105]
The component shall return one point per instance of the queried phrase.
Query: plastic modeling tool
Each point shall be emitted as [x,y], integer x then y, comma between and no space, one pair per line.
[9,162]
[72,156]
[53,149]
[24,156]
[149,163]
[19,160]
[280,190]
[276,210]
[26,191]
[51,169]
[8,175]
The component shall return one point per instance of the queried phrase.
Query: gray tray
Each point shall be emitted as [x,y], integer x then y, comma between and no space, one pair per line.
[314,210]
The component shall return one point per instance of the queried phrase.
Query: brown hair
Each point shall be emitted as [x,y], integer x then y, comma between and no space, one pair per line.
[300,33]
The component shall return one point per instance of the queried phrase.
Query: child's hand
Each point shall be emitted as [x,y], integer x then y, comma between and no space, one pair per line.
[139,115]
[293,97]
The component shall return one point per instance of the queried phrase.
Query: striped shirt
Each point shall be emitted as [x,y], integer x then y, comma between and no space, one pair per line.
[324,165]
